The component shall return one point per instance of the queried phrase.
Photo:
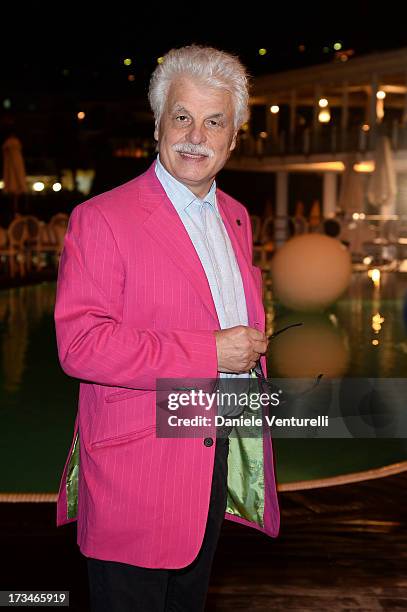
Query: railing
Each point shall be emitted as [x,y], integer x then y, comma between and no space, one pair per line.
[326,139]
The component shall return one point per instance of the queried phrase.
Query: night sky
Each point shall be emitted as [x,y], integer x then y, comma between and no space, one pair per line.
[43,50]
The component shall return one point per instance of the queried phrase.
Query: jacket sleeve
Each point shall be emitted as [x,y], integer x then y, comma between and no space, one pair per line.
[93,342]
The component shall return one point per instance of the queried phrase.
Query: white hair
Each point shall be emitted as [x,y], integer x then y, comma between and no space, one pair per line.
[210,66]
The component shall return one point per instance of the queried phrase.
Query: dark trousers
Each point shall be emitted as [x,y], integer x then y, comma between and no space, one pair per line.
[119,587]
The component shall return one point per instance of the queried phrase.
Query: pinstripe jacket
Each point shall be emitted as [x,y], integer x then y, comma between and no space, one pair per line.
[133,305]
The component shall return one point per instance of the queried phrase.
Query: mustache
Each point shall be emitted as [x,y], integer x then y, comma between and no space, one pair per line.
[188,147]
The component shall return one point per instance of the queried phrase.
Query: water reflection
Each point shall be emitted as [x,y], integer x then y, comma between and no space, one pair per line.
[363,334]
[38,401]
[319,346]
[21,310]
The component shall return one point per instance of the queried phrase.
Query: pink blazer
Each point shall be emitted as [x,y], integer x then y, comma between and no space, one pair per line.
[133,305]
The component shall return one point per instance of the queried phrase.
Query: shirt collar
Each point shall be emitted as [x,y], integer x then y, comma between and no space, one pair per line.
[179,194]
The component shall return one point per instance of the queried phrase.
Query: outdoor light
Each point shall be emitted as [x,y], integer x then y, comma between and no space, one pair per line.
[375,342]
[131,77]
[274,109]
[375,276]
[323,102]
[39,186]
[381,94]
[1,184]
[367,260]
[337,46]
[262,51]
[160,60]
[324,116]
[81,115]
[127,61]
[364,166]
[263,134]
[57,186]
[380,108]
[355,216]
[377,321]
[7,103]
[365,127]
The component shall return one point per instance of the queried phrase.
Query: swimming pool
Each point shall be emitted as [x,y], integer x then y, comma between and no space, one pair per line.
[363,334]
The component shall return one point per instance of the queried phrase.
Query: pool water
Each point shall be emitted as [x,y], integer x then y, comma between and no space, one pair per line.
[363,334]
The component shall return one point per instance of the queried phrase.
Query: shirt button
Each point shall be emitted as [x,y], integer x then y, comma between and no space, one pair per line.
[208,441]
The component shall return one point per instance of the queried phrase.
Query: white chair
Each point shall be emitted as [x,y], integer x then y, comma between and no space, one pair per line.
[33,242]
[13,249]
[57,229]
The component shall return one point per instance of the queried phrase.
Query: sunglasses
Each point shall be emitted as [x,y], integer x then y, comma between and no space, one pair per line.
[258,370]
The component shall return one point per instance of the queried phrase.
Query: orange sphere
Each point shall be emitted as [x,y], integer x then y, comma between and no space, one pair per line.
[309,272]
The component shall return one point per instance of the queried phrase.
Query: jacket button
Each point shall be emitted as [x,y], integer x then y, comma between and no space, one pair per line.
[208,441]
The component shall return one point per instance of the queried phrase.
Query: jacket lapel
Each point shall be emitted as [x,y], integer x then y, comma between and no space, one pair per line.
[237,238]
[166,228]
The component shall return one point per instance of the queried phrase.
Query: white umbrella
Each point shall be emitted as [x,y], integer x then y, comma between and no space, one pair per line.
[352,192]
[382,188]
[14,176]
[352,200]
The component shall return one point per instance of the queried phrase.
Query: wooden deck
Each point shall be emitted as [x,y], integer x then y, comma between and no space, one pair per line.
[341,548]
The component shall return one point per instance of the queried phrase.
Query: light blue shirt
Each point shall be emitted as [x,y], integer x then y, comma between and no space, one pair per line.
[216,255]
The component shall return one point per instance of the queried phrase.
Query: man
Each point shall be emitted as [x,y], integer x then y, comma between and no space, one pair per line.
[156,281]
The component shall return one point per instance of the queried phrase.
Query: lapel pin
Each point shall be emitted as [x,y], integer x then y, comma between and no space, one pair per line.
[238,222]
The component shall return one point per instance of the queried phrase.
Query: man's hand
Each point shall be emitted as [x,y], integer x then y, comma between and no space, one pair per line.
[239,348]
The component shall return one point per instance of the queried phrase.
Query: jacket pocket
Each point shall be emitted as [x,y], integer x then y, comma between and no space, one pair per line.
[123,438]
[125,394]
